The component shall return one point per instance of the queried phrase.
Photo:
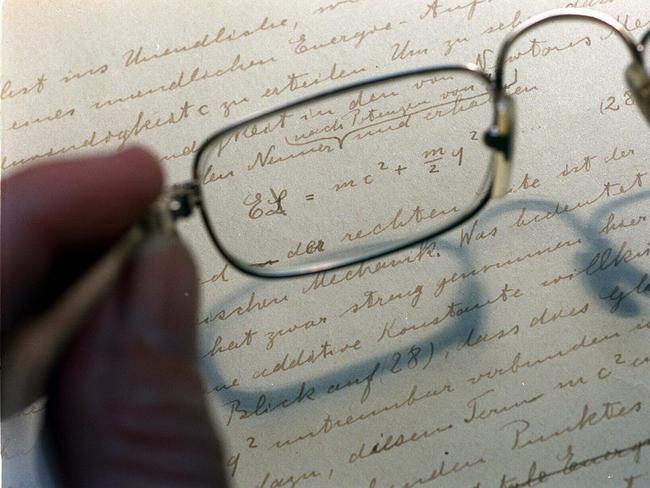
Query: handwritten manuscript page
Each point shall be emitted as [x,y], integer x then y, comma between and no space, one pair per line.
[511,351]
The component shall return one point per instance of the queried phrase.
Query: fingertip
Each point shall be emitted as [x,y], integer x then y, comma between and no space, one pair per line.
[143,167]
[61,209]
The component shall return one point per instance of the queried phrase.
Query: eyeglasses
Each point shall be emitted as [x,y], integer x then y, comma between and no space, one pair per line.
[328,180]
[367,168]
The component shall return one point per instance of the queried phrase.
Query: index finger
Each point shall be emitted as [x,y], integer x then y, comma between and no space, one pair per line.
[55,212]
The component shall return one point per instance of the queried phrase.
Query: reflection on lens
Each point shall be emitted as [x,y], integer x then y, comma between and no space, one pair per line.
[350,175]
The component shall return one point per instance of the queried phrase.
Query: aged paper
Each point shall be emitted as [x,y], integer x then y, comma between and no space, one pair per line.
[512,351]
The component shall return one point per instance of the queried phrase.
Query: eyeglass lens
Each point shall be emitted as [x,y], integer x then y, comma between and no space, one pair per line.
[357,173]
[594,106]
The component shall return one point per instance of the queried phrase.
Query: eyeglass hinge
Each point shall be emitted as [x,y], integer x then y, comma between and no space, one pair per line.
[501,138]
[183,198]
[500,135]
[639,81]
[495,139]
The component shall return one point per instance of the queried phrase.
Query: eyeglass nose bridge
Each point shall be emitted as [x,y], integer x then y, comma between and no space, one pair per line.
[500,137]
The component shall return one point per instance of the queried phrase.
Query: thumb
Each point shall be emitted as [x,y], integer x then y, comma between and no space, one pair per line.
[127,407]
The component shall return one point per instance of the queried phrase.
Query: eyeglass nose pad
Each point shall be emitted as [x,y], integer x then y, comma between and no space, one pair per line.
[639,82]
[500,137]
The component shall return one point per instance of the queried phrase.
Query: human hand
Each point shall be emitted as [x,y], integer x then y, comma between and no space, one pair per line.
[125,403]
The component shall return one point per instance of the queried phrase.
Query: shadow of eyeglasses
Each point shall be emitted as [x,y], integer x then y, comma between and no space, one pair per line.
[455,332]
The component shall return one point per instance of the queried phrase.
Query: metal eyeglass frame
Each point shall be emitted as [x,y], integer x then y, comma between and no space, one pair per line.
[185,197]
